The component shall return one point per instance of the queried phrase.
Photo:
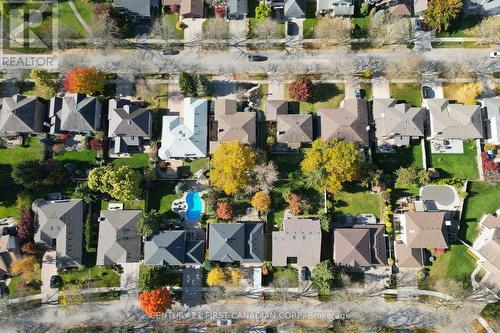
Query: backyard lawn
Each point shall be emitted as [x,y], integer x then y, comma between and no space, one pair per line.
[91,277]
[287,163]
[136,161]
[197,164]
[408,92]
[83,160]
[324,95]
[463,166]
[355,200]
[482,198]
[161,196]
[404,156]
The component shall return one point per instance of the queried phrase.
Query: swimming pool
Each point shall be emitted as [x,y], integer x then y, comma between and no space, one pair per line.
[194,206]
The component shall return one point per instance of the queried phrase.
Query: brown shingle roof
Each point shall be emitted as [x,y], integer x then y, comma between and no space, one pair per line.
[407,256]
[425,230]
[274,107]
[233,125]
[491,221]
[491,249]
[397,119]
[295,129]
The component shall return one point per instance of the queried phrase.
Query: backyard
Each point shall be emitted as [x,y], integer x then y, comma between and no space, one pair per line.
[161,196]
[287,163]
[91,277]
[462,166]
[355,200]
[404,156]
[136,161]
[324,96]
[408,92]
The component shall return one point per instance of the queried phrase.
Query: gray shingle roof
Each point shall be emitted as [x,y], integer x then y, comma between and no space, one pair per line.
[60,222]
[455,121]
[21,114]
[119,242]
[128,120]
[139,7]
[237,8]
[75,113]
[274,107]
[172,247]
[295,8]
[339,7]
[397,119]
[236,242]
[295,129]
[407,256]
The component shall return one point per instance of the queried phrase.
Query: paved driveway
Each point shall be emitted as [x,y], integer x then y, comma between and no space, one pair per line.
[49,268]
[175,98]
[192,283]
[381,89]
[125,85]
[238,29]
[193,30]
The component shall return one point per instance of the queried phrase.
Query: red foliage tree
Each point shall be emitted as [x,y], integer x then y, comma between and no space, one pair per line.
[488,164]
[25,227]
[83,80]
[224,210]
[155,302]
[220,10]
[96,144]
[301,89]
[295,204]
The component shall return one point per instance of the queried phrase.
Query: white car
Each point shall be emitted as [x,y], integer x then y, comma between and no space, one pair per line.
[495,54]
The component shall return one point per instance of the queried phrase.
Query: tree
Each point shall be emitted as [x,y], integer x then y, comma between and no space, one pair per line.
[30,248]
[105,33]
[324,220]
[83,192]
[24,266]
[216,30]
[365,8]
[295,204]
[263,178]
[203,86]
[334,30]
[404,64]
[149,222]
[151,277]
[33,173]
[44,79]
[165,30]
[83,80]
[71,296]
[487,31]
[220,10]
[322,278]
[216,277]
[263,10]
[389,29]
[96,144]
[224,210]
[268,30]
[261,201]
[155,302]
[301,89]
[231,166]
[341,161]
[234,275]
[406,176]
[440,13]
[26,226]
[23,201]
[468,93]
[187,84]
[122,183]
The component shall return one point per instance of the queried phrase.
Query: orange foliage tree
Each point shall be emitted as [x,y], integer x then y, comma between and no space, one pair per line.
[295,204]
[224,210]
[155,302]
[84,80]
[261,201]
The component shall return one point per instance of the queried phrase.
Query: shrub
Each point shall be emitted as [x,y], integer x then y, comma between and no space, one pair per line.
[96,144]
[301,89]
[151,277]
[263,10]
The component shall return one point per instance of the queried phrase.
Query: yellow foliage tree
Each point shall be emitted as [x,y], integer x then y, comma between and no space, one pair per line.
[235,275]
[328,164]
[231,165]
[24,265]
[261,201]
[216,277]
[468,93]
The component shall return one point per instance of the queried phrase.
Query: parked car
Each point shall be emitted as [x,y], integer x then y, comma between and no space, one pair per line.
[256,57]
[417,24]
[357,93]
[170,52]
[292,29]
[224,322]
[304,273]
[55,281]
[427,92]
[495,54]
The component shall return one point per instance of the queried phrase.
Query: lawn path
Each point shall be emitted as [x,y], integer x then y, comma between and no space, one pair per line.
[79,17]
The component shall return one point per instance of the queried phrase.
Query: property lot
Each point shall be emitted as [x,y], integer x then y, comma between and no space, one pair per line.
[408,92]
[324,95]
[463,166]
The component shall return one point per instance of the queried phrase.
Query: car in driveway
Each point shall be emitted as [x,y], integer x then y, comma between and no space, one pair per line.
[495,54]
[357,93]
[55,281]
[427,92]
[256,57]
[304,273]
[169,51]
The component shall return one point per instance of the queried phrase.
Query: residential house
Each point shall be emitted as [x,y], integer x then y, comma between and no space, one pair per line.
[75,113]
[294,129]
[188,8]
[363,245]
[241,243]
[275,107]
[230,125]
[173,247]
[119,241]
[336,7]
[294,9]
[396,7]
[419,7]
[484,7]
[492,115]
[396,123]
[140,8]
[21,115]
[349,122]
[59,226]
[237,9]
[186,136]
[419,231]
[487,249]
[9,253]
[454,121]
[129,127]
[298,243]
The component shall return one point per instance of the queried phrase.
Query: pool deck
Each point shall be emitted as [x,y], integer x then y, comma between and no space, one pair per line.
[188,224]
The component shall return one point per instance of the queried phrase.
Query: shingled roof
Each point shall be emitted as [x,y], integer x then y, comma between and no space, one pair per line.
[172,247]
[295,8]
[294,129]
[9,253]
[274,107]
[491,249]
[232,125]
[75,113]
[407,256]
[348,122]
[21,115]
[397,119]
[127,119]
[424,230]
[455,121]
[119,241]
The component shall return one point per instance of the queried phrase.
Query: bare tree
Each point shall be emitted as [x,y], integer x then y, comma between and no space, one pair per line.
[388,29]
[164,30]
[404,64]
[263,178]
[267,30]
[216,32]
[487,31]
[333,30]
[104,33]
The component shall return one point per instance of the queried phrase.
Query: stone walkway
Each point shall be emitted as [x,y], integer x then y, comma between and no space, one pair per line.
[276,90]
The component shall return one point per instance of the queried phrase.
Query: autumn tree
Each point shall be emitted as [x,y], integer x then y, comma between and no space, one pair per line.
[340,161]
[30,248]
[84,80]
[301,89]
[216,277]
[165,30]
[231,167]
[333,30]
[27,267]
[25,226]
[468,93]
[411,176]
[122,183]
[224,210]
[389,29]
[263,10]
[261,201]
[234,275]
[440,13]
[156,302]
[322,278]
[295,204]
[149,222]
[46,80]
[487,31]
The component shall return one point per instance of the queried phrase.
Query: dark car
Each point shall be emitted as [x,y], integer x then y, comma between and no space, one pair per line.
[292,29]
[357,93]
[256,57]
[55,281]
[170,52]
[427,92]
[304,274]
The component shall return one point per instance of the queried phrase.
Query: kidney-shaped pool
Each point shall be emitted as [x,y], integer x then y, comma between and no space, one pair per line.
[194,206]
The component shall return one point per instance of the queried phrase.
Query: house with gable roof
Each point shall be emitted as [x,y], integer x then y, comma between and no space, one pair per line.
[75,113]
[294,129]
[174,248]
[491,107]
[21,115]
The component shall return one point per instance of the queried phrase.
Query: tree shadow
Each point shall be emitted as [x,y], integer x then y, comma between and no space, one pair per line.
[323,92]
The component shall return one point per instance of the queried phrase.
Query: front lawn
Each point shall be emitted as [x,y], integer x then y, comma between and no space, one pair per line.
[482,198]
[308,27]
[28,88]
[16,288]
[459,25]
[324,96]
[404,156]
[282,277]
[491,313]
[136,161]
[355,200]
[67,20]
[256,21]
[172,18]
[360,27]
[450,90]
[408,92]
[366,91]
[463,166]
[161,196]
[91,277]
[155,94]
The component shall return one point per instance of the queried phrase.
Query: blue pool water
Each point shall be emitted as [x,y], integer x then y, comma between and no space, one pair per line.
[194,206]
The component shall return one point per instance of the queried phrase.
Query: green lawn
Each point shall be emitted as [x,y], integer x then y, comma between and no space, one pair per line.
[308,27]
[408,92]
[85,7]
[459,25]
[287,163]
[360,26]
[136,161]
[404,156]
[482,199]
[355,200]
[67,20]
[288,274]
[129,204]
[83,160]
[491,313]
[255,21]
[15,288]
[461,166]
[366,91]
[458,45]
[29,89]
[197,164]
[161,196]
[91,277]
[324,96]
[173,19]
[156,94]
